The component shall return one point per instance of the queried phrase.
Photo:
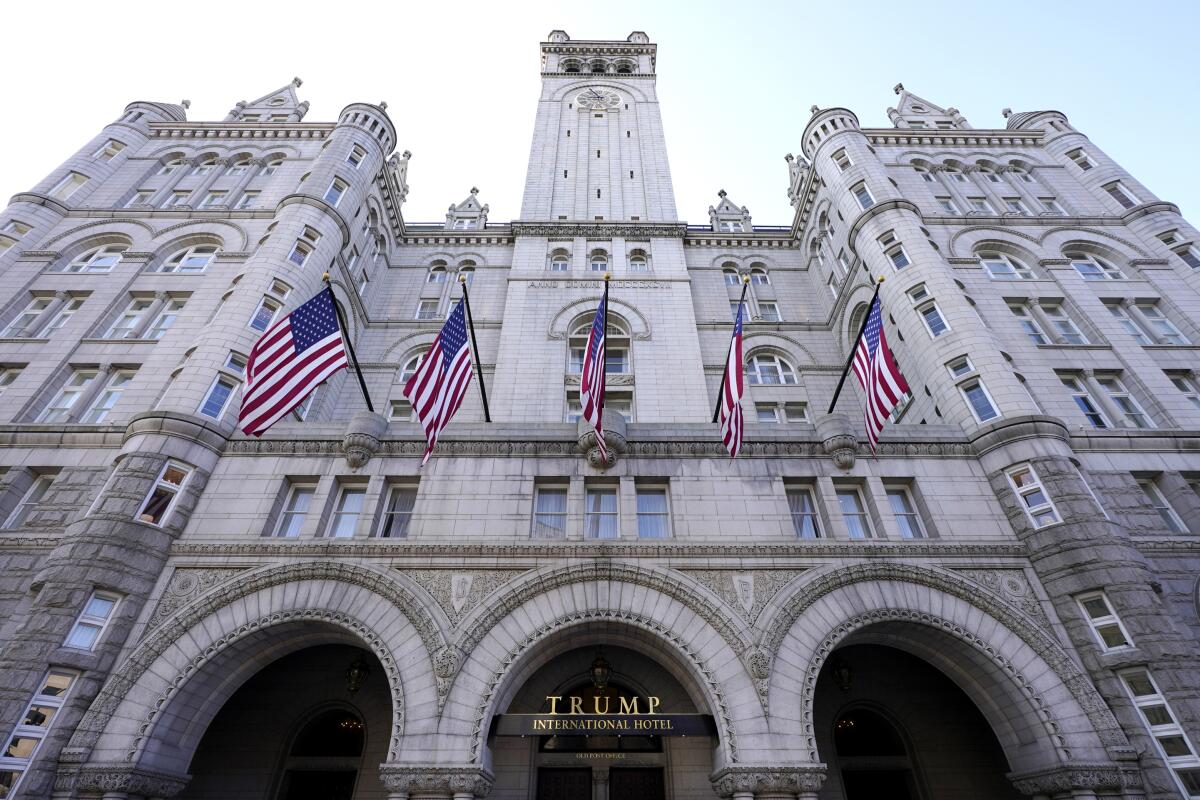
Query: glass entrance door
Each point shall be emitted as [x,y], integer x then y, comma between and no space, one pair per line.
[565,783]
[642,783]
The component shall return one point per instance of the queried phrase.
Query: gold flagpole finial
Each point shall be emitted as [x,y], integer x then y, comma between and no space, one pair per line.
[880,279]
[462,279]
[745,279]
[325,277]
[607,275]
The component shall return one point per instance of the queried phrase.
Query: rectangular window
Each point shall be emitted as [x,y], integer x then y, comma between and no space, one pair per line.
[1163,329]
[653,520]
[854,513]
[1051,206]
[931,315]
[1081,159]
[1127,322]
[126,325]
[103,405]
[400,411]
[61,318]
[108,151]
[766,412]
[1062,324]
[356,156]
[347,510]
[1184,382]
[1190,256]
[1172,741]
[905,511]
[6,244]
[948,205]
[295,509]
[161,500]
[1015,206]
[1158,502]
[1084,401]
[222,389]
[68,186]
[897,256]
[960,366]
[843,261]
[60,408]
[842,159]
[1033,498]
[300,253]
[247,200]
[176,199]
[1122,195]
[1134,416]
[427,309]
[1028,324]
[264,315]
[796,412]
[805,522]
[214,199]
[165,319]
[397,512]
[981,205]
[978,399]
[863,195]
[1107,627]
[768,312]
[26,323]
[333,195]
[35,724]
[30,502]
[92,621]
[236,363]
[7,376]
[600,514]
[550,512]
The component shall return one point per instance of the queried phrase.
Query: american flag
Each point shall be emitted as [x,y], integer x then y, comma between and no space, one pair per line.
[731,392]
[289,361]
[591,383]
[437,388]
[877,373]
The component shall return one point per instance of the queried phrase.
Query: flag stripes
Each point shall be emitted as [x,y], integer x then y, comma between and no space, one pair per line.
[437,388]
[877,373]
[732,388]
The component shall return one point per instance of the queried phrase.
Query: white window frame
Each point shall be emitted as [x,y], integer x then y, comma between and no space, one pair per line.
[249,199]
[863,195]
[300,252]
[1126,321]
[1095,268]
[915,527]
[99,259]
[664,515]
[36,732]
[1106,620]
[395,524]
[813,515]
[1189,255]
[1051,206]
[601,516]
[337,188]
[30,500]
[268,302]
[173,489]
[1161,327]
[109,150]
[356,155]
[1003,267]
[129,322]
[170,311]
[1015,205]
[107,398]
[1064,327]
[1178,764]
[1187,385]
[1158,501]
[842,159]
[61,317]
[1081,159]
[931,305]
[948,205]
[768,311]
[289,512]
[78,384]
[862,515]
[140,197]
[1081,394]
[233,390]
[425,312]
[965,387]
[1123,400]
[1125,198]
[786,372]
[1025,489]
[556,520]
[71,183]
[92,621]
[338,512]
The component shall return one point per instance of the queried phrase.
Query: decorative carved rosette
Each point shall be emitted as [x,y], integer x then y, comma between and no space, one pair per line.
[767,778]
[413,778]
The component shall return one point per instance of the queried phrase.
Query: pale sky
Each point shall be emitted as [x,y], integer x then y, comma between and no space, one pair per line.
[736,79]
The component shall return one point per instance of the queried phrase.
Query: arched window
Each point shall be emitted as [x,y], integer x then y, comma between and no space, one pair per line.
[1004,267]
[170,166]
[924,173]
[101,259]
[730,273]
[625,67]
[759,276]
[409,369]
[571,66]
[1092,267]
[239,167]
[597,67]
[1022,174]
[191,259]
[616,344]
[955,174]
[272,165]
[206,166]
[989,174]
[466,270]
[638,262]
[769,368]
[598,262]
[560,261]
[325,756]
[437,274]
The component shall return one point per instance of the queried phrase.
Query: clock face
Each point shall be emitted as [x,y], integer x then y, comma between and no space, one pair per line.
[598,98]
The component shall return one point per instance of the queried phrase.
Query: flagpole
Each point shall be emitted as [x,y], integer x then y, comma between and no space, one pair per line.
[604,341]
[362,384]
[462,280]
[725,369]
[854,348]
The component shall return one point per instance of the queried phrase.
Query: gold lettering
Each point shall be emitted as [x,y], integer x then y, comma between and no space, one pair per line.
[553,703]
[597,704]
[628,707]
[576,705]
[654,703]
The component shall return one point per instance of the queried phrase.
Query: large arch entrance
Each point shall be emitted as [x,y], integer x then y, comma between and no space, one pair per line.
[601,721]
[311,725]
[890,724]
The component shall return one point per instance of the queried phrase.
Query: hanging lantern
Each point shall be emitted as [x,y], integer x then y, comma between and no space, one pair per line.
[357,673]
[600,672]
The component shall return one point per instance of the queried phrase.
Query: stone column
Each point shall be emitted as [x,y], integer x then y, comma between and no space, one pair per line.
[768,781]
[435,781]
[218,169]
[600,783]
[164,191]
[253,165]
[1081,782]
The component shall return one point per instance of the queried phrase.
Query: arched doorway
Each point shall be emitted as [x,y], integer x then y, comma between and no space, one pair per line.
[311,725]
[613,761]
[891,725]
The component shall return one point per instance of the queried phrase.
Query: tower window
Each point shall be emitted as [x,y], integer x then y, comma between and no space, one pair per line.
[597,154]
[628,134]
[568,134]
[564,173]
[597,194]
[631,174]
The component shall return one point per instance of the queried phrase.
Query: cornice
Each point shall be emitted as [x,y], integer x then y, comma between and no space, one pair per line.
[39,199]
[953,138]
[240,130]
[593,230]
[422,552]
[604,75]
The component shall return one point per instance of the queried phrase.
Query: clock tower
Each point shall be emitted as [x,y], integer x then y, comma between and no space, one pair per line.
[598,146]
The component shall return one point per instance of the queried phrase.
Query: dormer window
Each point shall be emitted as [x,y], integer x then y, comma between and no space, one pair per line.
[731,227]
[464,224]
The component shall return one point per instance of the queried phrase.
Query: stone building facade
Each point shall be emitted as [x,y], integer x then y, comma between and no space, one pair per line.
[1002,603]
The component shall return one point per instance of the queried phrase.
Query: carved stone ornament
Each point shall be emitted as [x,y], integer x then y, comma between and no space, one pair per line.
[1012,585]
[362,438]
[614,438]
[1086,777]
[837,439]
[426,778]
[759,778]
[123,778]
[458,592]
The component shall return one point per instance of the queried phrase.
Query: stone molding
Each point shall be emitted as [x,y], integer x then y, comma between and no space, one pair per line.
[424,778]
[1072,777]
[1042,642]
[595,230]
[757,778]
[720,709]
[106,777]
[125,677]
[184,587]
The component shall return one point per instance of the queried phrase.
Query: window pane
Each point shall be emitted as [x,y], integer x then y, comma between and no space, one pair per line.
[56,684]
[99,607]
[652,513]
[156,505]
[398,513]
[39,716]
[83,636]
[601,514]
[21,747]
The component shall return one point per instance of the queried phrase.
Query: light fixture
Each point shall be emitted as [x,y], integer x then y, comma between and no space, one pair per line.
[357,673]
[843,676]
[600,671]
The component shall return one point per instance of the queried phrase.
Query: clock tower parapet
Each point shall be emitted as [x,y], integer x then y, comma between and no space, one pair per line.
[637,55]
